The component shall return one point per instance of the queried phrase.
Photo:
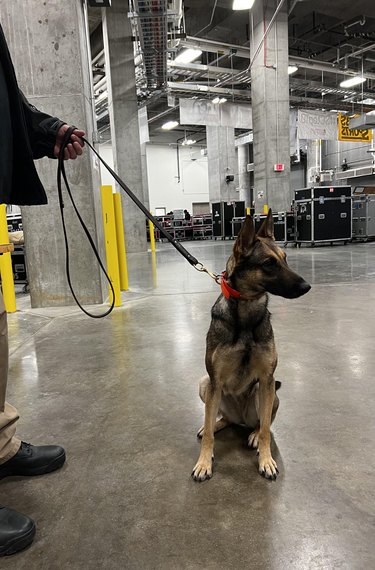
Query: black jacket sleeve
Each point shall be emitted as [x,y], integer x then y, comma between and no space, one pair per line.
[42,129]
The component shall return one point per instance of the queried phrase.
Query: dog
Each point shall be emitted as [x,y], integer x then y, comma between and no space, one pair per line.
[241,356]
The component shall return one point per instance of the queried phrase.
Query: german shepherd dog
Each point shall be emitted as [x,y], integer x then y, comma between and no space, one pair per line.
[241,357]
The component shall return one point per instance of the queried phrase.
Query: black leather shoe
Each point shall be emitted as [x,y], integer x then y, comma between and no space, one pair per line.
[16,531]
[33,460]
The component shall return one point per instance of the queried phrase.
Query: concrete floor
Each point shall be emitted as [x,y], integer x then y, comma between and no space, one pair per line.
[121,395]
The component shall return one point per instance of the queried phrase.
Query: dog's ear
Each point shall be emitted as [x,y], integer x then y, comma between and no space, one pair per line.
[266,229]
[245,239]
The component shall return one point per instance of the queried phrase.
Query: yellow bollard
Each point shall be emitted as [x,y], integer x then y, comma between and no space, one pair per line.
[248,211]
[152,236]
[121,249]
[265,209]
[111,242]
[6,270]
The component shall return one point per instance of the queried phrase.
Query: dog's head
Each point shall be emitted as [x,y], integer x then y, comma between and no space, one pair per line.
[258,265]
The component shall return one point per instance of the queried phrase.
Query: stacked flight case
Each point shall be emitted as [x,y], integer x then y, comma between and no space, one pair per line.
[323,214]
[222,216]
[283,225]
[364,213]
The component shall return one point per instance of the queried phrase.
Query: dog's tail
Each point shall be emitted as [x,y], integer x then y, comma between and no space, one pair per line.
[277,385]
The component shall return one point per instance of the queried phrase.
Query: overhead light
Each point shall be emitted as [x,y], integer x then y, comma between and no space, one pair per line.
[357,80]
[243,4]
[219,100]
[292,69]
[188,142]
[169,125]
[188,55]
[202,87]
[368,101]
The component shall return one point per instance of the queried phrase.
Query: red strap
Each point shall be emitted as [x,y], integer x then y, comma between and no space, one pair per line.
[226,289]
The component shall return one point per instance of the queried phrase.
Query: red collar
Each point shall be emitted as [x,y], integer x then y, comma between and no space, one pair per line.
[226,289]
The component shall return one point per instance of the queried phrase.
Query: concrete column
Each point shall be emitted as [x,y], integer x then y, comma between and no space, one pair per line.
[123,113]
[49,50]
[270,105]
[221,154]
[243,174]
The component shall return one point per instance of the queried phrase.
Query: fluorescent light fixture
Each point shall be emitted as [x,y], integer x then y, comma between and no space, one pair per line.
[357,80]
[242,4]
[202,87]
[169,125]
[292,69]
[368,101]
[188,55]
[188,142]
[219,100]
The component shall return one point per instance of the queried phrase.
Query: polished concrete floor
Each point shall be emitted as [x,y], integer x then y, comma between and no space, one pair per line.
[121,395]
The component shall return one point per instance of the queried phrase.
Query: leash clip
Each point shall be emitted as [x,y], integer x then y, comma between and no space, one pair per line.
[200,267]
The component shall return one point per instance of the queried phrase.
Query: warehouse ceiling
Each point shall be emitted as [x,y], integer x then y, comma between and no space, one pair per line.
[328,40]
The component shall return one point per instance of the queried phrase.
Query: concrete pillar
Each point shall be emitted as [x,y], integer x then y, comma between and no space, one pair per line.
[221,154]
[243,174]
[123,113]
[270,105]
[49,50]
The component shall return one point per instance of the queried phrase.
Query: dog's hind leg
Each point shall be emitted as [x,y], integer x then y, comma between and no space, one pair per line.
[203,468]
[267,465]
[222,422]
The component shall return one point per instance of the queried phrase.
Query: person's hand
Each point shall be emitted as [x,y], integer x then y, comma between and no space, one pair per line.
[74,148]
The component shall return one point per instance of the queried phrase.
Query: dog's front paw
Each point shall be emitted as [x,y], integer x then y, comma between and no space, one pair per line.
[202,471]
[268,467]
[253,439]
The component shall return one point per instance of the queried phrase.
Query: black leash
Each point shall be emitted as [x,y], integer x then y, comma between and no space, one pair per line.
[61,173]
[176,244]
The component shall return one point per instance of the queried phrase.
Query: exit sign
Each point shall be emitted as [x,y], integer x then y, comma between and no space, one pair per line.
[278,168]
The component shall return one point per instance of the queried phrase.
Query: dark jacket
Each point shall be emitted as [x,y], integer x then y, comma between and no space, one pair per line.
[34,136]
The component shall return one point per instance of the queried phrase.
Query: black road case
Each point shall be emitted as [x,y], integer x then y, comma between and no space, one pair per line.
[283,223]
[323,214]
[222,215]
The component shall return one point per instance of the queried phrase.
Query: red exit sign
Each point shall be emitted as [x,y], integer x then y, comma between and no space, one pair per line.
[278,168]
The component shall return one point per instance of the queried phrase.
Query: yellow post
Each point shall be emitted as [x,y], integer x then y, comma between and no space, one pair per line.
[111,243]
[248,211]
[121,249]
[152,235]
[6,270]
[265,209]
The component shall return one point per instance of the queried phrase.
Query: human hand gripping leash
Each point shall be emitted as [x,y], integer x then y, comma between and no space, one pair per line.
[61,174]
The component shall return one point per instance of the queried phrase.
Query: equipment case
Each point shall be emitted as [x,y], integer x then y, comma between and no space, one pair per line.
[364,213]
[323,214]
[222,215]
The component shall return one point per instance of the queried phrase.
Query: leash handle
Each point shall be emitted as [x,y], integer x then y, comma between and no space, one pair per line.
[176,244]
[62,174]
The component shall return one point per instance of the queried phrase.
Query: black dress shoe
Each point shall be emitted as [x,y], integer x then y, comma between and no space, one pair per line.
[16,531]
[34,460]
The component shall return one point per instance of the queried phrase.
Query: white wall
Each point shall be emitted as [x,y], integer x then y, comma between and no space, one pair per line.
[165,189]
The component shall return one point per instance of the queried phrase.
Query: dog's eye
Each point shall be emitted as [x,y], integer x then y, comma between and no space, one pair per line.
[270,263]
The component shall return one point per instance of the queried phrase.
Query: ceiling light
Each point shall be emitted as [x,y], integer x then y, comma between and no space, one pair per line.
[223,100]
[188,142]
[292,69]
[368,101]
[243,4]
[202,87]
[169,125]
[188,55]
[357,80]
[216,100]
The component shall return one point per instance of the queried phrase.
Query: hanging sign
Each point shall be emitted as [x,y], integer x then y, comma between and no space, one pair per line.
[352,135]
[317,125]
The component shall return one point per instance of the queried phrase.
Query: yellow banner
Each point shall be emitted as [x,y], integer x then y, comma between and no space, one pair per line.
[352,135]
